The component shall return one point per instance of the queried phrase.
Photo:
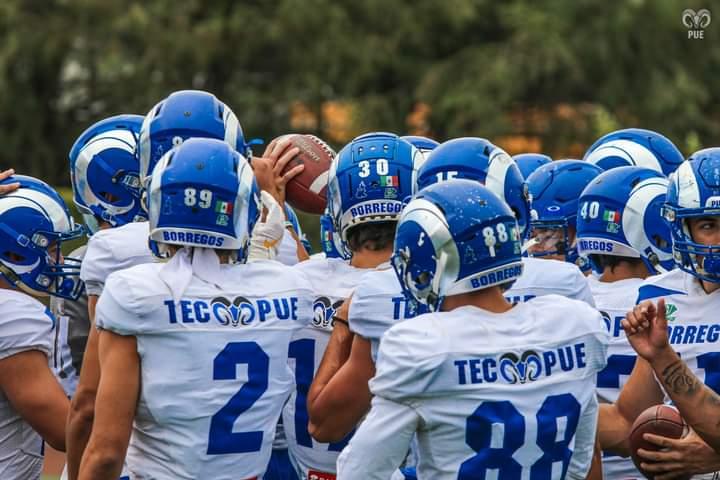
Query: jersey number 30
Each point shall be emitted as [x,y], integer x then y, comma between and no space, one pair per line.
[497,453]
[222,439]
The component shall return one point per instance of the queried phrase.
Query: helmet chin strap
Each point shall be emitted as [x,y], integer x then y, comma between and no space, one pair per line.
[434,299]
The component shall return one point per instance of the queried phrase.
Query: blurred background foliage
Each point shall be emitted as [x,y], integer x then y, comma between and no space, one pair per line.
[543,75]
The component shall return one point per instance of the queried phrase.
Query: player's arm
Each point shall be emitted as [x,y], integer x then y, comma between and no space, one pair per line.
[640,392]
[381,442]
[82,406]
[698,404]
[646,328]
[116,403]
[583,462]
[34,392]
[338,406]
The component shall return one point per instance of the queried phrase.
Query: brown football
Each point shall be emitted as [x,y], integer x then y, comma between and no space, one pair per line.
[307,191]
[662,420]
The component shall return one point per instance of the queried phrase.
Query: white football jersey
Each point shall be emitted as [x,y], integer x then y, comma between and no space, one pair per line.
[113,249]
[332,280]
[512,393]
[214,366]
[614,300]
[71,318]
[287,250]
[543,276]
[25,324]
[378,303]
[693,325]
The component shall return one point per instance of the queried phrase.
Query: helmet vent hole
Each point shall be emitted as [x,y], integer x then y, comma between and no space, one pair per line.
[660,242]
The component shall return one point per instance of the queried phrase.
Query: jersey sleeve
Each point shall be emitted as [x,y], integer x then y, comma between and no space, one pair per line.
[97,264]
[582,290]
[117,309]
[365,316]
[584,442]
[381,443]
[598,337]
[408,359]
[25,326]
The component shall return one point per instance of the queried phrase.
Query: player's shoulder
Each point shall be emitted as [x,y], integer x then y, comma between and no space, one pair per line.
[114,249]
[674,282]
[133,286]
[379,281]
[563,316]
[555,274]
[24,323]
[410,355]
[423,337]
[120,242]
[270,276]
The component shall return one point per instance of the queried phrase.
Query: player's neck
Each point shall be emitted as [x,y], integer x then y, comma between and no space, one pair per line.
[366,258]
[490,299]
[709,287]
[624,271]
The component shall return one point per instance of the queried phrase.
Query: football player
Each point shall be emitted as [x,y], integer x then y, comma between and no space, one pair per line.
[106,190]
[182,115]
[621,231]
[689,296]
[635,147]
[484,384]
[378,301]
[529,162]
[555,189]
[698,404]
[194,352]
[367,183]
[34,222]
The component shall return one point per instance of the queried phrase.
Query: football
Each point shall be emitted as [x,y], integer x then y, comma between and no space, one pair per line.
[307,191]
[663,420]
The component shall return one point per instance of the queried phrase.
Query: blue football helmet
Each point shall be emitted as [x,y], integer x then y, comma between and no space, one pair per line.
[455,237]
[694,191]
[203,194]
[34,221]
[182,115]
[104,172]
[478,159]
[329,239]
[369,179]
[424,144]
[529,162]
[620,214]
[555,189]
[635,147]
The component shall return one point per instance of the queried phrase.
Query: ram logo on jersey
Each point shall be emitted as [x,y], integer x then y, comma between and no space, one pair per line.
[240,311]
[324,311]
[528,366]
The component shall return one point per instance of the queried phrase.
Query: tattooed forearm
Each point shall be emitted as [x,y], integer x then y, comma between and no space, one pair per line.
[678,378]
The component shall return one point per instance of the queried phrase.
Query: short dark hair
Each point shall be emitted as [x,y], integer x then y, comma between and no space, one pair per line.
[373,236]
[612,261]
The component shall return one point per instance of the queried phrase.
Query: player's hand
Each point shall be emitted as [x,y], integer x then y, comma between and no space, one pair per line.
[678,458]
[646,329]
[268,168]
[268,232]
[10,187]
